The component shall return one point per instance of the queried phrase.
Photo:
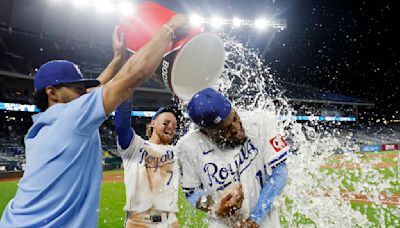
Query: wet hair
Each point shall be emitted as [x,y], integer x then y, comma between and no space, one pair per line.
[40,99]
[149,130]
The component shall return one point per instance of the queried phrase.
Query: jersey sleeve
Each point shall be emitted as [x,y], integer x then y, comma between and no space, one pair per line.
[132,151]
[122,121]
[86,113]
[275,146]
[189,177]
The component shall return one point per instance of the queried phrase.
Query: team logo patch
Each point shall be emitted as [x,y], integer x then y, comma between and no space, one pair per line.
[278,143]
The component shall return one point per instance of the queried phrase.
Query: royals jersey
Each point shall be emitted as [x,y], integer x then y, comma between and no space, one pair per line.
[218,171]
[151,176]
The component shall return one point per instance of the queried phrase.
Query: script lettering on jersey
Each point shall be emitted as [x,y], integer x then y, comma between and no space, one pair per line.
[155,162]
[223,176]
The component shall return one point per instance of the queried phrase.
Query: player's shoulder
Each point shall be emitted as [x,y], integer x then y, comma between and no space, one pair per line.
[189,137]
[189,141]
[257,117]
[136,141]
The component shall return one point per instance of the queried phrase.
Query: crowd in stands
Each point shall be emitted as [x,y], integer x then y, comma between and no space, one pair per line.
[12,133]
[376,134]
[319,109]
[12,150]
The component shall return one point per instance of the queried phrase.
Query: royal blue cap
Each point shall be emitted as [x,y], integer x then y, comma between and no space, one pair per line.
[170,108]
[58,72]
[208,108]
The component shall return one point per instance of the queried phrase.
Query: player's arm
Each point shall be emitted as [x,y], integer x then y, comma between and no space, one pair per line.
[141,66]
[123,129]
[272,188]
[120,56]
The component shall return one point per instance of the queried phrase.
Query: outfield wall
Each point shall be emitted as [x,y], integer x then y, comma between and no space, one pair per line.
[377,147]
[11,175]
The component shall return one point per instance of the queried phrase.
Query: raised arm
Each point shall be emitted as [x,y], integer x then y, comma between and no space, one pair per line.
[125,132]
[120,56]
[141,65]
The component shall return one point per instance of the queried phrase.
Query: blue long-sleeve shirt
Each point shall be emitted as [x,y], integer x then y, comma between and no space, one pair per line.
[125,132]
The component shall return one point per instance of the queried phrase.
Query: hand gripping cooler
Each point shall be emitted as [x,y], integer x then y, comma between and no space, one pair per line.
[190,64]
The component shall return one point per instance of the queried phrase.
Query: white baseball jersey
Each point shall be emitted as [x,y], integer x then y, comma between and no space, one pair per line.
[218,171]
[151,175]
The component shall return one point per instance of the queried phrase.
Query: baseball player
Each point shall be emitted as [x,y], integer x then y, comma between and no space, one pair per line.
[61,182]
[233,165]
[151,172]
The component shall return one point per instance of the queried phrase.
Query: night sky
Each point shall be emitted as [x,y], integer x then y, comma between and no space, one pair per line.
[346,47]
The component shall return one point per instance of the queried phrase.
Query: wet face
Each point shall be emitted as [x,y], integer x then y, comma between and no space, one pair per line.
[164,127]
[230,131]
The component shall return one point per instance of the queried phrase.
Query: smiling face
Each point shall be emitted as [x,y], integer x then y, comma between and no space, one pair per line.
[164,127]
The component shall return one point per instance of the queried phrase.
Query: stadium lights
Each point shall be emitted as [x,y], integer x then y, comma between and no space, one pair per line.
[236,22]
[195,20]
[103,6]
[126,8]
[261,24]
[80,3]
[217,22]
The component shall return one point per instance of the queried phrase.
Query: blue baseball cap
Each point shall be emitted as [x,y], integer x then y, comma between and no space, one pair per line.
[208,108]
[58,72]
[170,108]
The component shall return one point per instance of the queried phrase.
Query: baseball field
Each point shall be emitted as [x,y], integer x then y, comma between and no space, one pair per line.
[113,194]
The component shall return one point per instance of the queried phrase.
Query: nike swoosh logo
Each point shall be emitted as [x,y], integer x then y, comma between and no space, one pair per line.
[208,151]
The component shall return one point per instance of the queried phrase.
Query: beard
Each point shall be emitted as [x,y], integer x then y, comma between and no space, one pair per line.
[164,138]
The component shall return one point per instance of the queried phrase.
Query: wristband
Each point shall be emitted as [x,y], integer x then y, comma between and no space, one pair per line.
[170,30]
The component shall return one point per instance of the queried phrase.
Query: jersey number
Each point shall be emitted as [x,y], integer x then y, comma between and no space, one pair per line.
[170,178]
[259,175]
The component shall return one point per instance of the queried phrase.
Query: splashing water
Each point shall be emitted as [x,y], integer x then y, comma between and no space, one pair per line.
[318,192]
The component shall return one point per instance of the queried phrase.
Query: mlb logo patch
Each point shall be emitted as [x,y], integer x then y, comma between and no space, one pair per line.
[278,143]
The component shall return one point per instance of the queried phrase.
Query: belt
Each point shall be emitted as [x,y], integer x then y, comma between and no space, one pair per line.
[153,217]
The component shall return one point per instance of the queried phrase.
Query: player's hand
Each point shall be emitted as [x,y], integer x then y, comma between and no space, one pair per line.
[119,46]
[248,223]
[231,203]
[180,24]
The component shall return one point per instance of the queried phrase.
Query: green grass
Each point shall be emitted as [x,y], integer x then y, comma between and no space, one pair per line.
[187,216]
[388,212]
[7,192]
[112,201]
[337,158]
[111,204]
[353,175]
